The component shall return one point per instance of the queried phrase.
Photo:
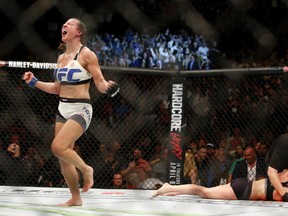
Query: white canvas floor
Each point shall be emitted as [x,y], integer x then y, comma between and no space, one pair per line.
[32,201]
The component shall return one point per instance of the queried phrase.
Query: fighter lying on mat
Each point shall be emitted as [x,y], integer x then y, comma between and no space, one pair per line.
[238,189]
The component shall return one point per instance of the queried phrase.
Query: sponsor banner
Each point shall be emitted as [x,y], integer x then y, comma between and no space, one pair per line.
[177,131]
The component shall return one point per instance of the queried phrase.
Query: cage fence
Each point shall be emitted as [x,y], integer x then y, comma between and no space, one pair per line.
[222,110]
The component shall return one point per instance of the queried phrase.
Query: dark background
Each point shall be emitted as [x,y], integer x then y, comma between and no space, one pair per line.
[231,20]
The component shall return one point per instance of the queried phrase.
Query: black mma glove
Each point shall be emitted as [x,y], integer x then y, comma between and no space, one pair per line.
[285,197]
[113,90]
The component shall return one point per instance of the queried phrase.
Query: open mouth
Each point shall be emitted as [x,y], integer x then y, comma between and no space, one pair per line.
[64,32]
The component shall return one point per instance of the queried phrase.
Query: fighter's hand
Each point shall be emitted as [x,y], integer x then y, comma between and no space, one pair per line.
[27,76]
[13,148]
[112,88]
[132,164]
[2,63]
[285,69]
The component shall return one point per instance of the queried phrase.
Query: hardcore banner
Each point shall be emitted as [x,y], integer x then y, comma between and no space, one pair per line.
[177,131]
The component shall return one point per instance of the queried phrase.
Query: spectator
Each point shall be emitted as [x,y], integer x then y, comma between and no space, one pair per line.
[116,147]
[232,168]
[103,164]
[251,167]
[190,168]
[137,169]
[236,139]
[145,144]
[159,167]
[192,64]
[201,143]
[219,167]
[223,144]
[102,150]
[211,149]
[35,163]
[171,64]
[262,151]
[202,164]
[156,154]
[118,181]
[237,153]
[14,150]
[10,161]
[119,155]
[193,146]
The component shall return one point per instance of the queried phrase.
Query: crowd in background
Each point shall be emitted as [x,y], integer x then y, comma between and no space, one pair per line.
[207,162]
[161,51]
[178,47]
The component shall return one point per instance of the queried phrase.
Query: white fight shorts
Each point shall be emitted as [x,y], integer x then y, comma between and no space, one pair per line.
[80,110]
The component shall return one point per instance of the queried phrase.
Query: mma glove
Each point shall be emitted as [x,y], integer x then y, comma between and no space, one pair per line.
[112,90]
[285,197]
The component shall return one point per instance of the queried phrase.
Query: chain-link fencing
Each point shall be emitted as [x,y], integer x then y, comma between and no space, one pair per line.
[225,112]
[129,132]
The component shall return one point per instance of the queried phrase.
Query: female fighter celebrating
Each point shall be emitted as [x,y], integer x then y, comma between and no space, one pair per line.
[75,69]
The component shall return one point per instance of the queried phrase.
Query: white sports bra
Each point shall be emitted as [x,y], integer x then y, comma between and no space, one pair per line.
[73,73]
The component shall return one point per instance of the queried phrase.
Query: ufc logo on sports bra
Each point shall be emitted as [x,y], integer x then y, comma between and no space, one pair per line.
[66,74]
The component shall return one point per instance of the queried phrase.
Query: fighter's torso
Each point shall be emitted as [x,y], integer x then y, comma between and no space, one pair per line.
[72,73]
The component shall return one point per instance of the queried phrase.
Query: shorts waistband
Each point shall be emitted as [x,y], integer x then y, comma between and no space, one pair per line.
[75,100]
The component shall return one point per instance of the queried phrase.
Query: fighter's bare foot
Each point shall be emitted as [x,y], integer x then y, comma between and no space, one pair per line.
[88,179]
[163,190]
[72,202]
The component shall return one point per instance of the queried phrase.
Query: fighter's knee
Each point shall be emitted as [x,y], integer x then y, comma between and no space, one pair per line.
[56,148]
[53,149]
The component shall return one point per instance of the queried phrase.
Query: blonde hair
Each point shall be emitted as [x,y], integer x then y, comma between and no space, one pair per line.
[190,168]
